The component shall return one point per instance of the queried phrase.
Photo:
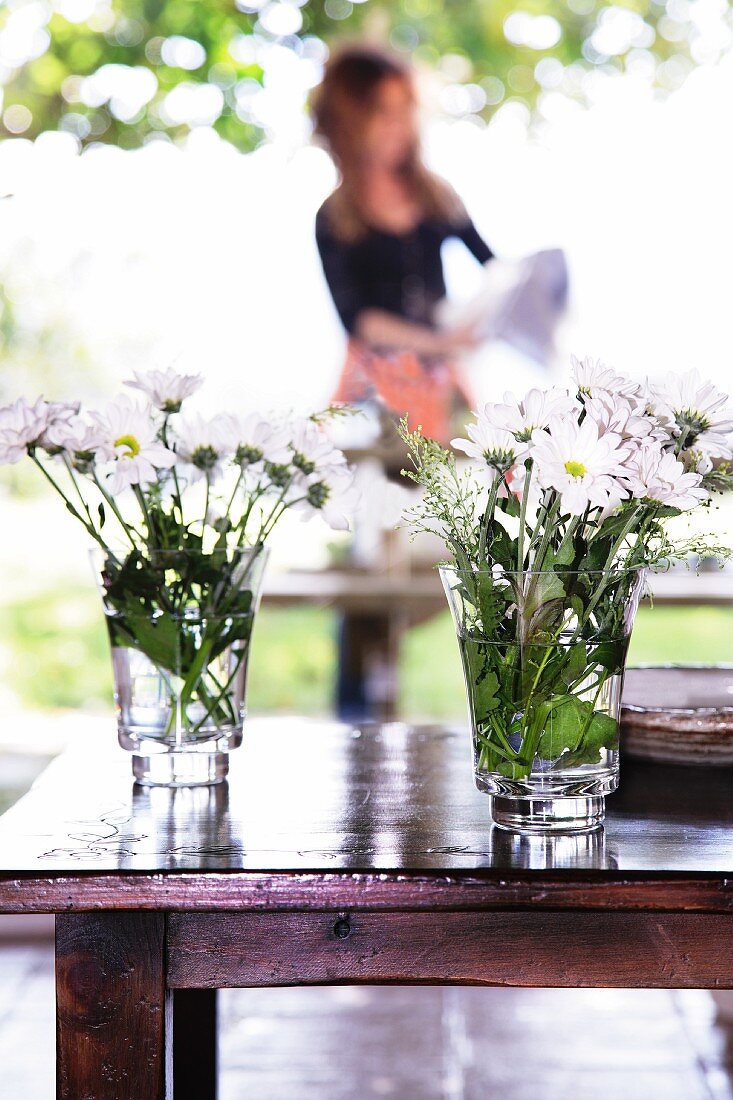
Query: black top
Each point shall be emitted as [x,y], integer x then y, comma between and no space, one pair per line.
[398,273]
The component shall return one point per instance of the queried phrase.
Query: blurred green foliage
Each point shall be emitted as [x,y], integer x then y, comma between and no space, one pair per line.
[57,644]
[497,49]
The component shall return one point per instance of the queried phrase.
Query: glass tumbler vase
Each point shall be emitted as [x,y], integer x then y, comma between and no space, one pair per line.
[180,629]
[543,657]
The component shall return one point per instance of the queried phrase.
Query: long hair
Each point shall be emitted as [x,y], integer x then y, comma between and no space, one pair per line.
[341,108]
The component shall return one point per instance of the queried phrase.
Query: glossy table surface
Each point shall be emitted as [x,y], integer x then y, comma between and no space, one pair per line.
[322,797]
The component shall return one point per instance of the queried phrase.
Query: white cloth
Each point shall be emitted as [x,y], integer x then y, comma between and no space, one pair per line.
[520,302]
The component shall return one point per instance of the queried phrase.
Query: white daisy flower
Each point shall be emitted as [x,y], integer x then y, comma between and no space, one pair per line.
[493,447]
[334,497]
[165,389]
[697,411]
[311,450]
[127,436]
[624,416]
[593,378]
[320,478]
[202,446]
[75,439]
[23,425]
[57,413]
[534,410]
[654,474]
[255,441]
[579,462]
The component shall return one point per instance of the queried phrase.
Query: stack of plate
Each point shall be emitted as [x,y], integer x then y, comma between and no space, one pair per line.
[680,714]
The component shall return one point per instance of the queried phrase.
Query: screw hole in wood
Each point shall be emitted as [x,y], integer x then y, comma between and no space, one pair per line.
[342,928]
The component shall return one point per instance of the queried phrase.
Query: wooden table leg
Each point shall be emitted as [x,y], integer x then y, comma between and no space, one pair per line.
[367,686]
[194,1044]
[111,1031]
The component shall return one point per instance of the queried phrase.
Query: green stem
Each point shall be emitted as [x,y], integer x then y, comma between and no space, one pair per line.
[75,483]
[178,497]
[552,510]
[504,747]
[539,524]
[234,492]
[191,679]
[278,508]
[488,519]
[605,576]
[71,507]
[523,516]
[127,528]
[240,657]
[206,503]
[152,535]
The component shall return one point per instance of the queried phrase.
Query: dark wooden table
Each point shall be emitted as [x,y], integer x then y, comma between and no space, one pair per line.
[336,855]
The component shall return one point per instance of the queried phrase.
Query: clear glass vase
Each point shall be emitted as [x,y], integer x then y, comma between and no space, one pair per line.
[543,657]
[180,628]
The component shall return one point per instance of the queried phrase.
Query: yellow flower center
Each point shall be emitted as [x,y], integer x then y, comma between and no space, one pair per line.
[132,445]
[575,469]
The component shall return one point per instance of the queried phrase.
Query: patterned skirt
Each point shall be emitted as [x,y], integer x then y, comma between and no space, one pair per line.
[429,391]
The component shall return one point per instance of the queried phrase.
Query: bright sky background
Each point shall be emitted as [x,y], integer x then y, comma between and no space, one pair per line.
[206,256]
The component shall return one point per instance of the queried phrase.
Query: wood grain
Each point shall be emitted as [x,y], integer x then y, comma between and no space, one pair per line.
[280,891]
[110,1003]
[624,950]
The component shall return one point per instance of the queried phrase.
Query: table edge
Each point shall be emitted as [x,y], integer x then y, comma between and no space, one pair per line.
[282,891]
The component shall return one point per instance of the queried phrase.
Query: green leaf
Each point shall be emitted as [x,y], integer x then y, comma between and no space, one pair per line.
[577,663]
[510,505]
[158,638]
[576,603]
[500,546]
[491,603]
[239,629]
[134,578]
[563,727]
[542,588]
[564,555]
[611,655]
[602,733]
[575,734]
[482,679]
[485,697]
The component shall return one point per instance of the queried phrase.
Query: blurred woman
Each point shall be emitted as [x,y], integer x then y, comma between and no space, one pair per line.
[380,235]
